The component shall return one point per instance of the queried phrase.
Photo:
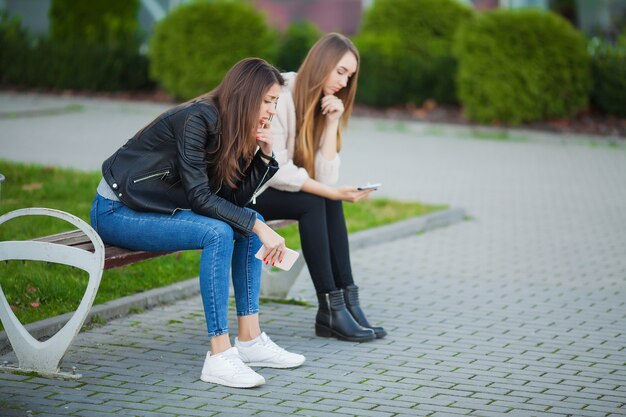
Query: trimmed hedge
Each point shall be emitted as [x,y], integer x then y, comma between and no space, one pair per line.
[72,61]
[112,22]
[83,66]
[14,42]
[608,63]
[295,44]
[197,43]
[522,66]
[409,43]
[385,75]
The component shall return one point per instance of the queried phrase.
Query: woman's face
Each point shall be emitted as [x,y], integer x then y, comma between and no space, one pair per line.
[268,104]
[340,74]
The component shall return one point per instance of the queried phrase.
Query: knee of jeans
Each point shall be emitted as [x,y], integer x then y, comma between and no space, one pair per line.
[219,231]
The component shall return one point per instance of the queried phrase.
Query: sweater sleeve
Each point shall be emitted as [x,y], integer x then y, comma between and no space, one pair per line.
[327,171]
[289,177]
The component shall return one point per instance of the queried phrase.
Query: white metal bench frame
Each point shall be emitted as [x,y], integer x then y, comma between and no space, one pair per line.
[44,357]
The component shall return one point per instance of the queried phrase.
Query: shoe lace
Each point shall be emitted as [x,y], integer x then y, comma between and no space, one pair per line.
[237,363]
[269,343]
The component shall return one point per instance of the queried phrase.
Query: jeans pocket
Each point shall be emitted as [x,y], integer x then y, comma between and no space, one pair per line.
[112,206]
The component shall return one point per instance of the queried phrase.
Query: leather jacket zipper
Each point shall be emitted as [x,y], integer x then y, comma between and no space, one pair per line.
[161,174]
[253,199]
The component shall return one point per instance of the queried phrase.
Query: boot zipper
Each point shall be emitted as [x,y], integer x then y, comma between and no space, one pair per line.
[330,311]
[162,174]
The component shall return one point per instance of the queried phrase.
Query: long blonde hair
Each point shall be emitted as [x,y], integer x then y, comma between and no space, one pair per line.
[307,92]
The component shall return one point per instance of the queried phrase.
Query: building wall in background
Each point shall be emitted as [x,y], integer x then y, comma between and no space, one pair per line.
[328,15]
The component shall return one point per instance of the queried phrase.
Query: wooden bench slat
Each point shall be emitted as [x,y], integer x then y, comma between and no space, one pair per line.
[121,257]
[71,238]
[277,224]
[114,256]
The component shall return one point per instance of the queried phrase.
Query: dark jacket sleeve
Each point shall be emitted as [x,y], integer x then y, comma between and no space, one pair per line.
[200,127]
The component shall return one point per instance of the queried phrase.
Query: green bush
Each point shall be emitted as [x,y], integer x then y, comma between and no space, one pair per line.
[417,34]
[83,66]
[385,75]
[608,64]
[42,63]
[195,44]
[110,22]
[295,44]
[86,55]
[520,66]
[14,44]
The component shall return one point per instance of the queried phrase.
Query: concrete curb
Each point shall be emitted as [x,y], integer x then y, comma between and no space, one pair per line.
[513,134]
[188,288]
[405,228]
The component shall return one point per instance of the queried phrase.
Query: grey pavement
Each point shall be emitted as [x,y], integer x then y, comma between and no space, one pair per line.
[518,311]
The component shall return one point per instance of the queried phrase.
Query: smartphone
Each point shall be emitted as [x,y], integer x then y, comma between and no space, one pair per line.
[290,258]
[369,187]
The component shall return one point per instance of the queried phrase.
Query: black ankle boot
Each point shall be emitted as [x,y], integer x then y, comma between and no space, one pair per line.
[351,295]
[333,319]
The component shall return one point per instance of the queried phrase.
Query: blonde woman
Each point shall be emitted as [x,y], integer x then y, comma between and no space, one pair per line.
[314,105]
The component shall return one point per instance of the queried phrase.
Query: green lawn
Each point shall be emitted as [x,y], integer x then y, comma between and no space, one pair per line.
[36,290]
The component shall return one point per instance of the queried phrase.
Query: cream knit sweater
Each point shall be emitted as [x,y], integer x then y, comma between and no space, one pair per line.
[283,128]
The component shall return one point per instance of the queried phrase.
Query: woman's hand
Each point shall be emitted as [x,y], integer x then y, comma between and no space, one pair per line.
[273,243]
[332,107]
[263,136]
[351,194]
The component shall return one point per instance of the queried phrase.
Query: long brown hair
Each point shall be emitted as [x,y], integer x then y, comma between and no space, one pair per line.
[238,100]
[307,92]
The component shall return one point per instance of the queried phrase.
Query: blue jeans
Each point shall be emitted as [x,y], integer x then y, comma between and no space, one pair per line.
[120,226]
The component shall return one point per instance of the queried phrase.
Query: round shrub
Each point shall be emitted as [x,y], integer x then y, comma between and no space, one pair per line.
[295,44]
[521,66]
[608,65]
[424,31]
[196,44]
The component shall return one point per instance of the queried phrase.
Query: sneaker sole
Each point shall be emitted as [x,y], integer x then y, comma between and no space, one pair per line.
[220,381]
[273,365]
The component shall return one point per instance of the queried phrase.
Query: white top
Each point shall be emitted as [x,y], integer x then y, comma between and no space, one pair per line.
[283,128]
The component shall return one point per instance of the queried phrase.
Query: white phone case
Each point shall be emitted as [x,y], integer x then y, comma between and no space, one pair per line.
[290,258]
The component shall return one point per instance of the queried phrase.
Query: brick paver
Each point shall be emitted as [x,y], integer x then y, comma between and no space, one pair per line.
[518,311]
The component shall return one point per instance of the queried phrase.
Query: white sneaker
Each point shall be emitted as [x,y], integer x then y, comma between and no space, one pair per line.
[266,353]
[226,368]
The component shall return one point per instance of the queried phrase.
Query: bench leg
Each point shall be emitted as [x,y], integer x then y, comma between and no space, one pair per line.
[278,284]
[44,357]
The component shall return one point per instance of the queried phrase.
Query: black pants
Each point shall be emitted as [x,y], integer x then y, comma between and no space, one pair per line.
[323,234]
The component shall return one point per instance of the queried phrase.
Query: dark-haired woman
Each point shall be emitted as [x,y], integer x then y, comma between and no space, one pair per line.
[182,183]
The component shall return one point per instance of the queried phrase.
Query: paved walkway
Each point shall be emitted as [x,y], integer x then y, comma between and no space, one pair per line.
[519,311]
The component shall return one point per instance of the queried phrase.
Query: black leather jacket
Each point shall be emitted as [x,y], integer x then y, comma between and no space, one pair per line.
[163,168]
